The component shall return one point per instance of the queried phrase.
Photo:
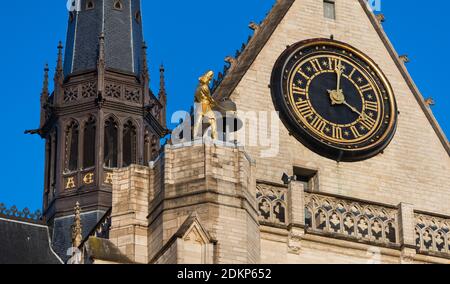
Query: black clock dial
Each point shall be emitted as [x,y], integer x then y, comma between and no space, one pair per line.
[334,99]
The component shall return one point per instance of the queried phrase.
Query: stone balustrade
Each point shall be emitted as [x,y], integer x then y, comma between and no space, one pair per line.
[355,220]
[432,233]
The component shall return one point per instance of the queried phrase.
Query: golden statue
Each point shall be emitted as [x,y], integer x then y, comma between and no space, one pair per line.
[204,107]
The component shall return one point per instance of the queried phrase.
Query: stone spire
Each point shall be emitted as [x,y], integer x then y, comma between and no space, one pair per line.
[77,228]
[145,72]
[162,96]
[59,75]
[145,75]
[101,67]
[44,96]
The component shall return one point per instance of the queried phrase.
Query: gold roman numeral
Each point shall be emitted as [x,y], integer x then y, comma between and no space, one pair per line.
[368,122]
[365,88]
[337,133]
[333,63]
[316,65]
[373,106]
[318,124]
[351,73]
[355,132]
[304,108]
[299,91]
[303,74]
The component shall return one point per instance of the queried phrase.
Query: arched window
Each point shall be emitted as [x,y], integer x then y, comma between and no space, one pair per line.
[71,147]
[111,140]
[129,144]
[89,143]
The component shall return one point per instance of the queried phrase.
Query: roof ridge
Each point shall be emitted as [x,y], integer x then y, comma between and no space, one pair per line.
[239,66]
[406,76]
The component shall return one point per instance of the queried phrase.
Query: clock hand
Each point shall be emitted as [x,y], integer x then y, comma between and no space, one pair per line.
[337,96]
[363,115]
[339,71]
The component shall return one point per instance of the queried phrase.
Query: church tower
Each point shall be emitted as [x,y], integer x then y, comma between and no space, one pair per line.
[101,115]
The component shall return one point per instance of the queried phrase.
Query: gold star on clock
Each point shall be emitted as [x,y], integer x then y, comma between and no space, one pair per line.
[299,82]
[346,133]
[359,79]
[362,128]
[327,130]
[309,69]
[324,63]
[369,96]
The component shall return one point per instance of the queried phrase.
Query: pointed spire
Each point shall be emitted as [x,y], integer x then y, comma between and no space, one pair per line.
[145,72]
[44,97]
[45,92]
[59,75]
[77,228]
[162,82]
[145,76]
[101,48]
[163,96]
[101,65]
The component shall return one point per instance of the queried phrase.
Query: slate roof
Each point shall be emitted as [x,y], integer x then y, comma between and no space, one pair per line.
[25,243]
[123,38]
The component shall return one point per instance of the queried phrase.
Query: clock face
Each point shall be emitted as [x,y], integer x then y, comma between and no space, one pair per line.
[334,99]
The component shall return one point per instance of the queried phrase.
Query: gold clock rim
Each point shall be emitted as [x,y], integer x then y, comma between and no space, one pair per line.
[327,138]
[376,69]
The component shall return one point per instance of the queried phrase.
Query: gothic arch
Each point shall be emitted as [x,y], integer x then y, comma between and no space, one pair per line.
[72,134]
[89,141]
[111,145]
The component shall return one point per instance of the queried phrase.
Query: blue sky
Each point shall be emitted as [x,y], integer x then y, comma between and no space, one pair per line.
[189,37]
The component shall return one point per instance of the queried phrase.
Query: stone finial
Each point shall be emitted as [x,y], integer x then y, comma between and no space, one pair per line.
[254,26]
[380,18]
[77,228]
[145,72]
[404,58]
[44,97]
[45,82]
[101,48]
[231,60]
[101,65]
[59,74]
[162,82]
[430,102]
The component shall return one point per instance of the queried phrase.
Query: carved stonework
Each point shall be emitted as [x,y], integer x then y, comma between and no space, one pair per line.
[408,256]
[294,241]
[89,90]
[351,219]
[113,90]
[15,214]
[71,94]
[133,95]
[194,236]
[432,233]
[272,203]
